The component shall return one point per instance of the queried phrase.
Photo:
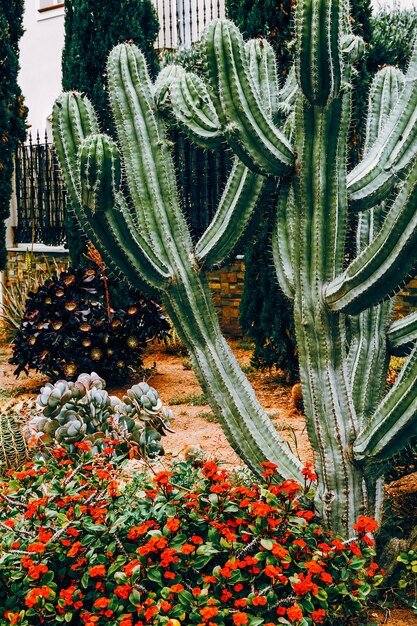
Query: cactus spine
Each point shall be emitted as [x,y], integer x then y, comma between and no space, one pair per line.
[298,134]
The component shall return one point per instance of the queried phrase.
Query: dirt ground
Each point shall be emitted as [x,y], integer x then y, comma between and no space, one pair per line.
[194,424]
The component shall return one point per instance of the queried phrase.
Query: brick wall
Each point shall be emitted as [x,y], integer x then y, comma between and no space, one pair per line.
[226,285]
[227,288]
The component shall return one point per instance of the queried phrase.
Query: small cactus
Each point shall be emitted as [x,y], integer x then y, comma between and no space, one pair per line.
[13,448]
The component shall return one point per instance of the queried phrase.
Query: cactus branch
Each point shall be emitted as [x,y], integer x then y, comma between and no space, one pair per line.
[394,423]
[392,153]
[248,130]
[403,331]
[379,269]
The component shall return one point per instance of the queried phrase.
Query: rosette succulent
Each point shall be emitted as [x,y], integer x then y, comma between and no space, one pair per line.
[67,328]
[72,412]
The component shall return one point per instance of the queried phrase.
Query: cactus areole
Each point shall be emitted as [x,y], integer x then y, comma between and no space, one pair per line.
[296,133]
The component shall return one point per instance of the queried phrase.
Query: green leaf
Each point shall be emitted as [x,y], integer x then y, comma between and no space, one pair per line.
[202,560]
[321,594]
[68,617]
[155,575]
[185,598]
[267,544]
[84,580]
[135,598]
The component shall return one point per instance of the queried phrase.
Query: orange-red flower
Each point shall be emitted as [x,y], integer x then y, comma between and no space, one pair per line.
[97,571]
[294,613]
[365,525]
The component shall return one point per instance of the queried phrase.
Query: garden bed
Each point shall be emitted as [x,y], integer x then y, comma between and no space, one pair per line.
[195,425]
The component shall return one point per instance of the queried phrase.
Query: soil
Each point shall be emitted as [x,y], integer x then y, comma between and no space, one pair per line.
[195,427]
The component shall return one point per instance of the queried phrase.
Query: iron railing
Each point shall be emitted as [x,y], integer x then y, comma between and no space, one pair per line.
[40,194]
[41,199]
[182,21]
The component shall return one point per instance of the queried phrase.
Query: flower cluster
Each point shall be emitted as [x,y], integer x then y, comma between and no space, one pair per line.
[187,546]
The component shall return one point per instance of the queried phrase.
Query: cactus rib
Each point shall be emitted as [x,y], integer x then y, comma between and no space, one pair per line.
[403,331]
[236,209]
[247,129]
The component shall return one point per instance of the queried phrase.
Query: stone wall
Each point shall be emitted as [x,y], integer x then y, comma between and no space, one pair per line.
[226,284]
[227,288]
[21,261]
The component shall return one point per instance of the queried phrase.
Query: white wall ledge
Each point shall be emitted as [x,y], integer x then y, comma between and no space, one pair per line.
[38,247]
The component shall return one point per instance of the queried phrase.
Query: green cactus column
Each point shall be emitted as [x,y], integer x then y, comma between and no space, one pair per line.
[296,134]
[148,239]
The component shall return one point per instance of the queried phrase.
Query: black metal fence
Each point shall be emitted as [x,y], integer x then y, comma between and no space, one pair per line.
[182,21]
[40,194]
[41,199]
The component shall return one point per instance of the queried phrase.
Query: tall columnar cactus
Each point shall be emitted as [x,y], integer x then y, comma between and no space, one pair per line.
[298,134]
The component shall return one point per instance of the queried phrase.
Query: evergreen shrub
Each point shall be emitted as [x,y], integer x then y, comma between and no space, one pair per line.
[12,109]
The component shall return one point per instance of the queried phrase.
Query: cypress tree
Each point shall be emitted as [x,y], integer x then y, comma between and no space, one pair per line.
[12,110]
[92,29]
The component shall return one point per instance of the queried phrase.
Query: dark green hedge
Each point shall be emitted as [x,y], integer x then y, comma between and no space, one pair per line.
[12,109]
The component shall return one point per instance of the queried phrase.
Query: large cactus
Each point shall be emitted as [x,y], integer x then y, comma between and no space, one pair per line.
[298,135]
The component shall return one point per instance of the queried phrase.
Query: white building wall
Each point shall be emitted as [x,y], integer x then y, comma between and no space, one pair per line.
[40,61]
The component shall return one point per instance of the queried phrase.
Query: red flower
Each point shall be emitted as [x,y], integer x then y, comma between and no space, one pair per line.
[240,618]
[36,547]
[294,613]
[173,524]
[101,603]
[37,592]
[207,612]
[318,616]
[162,478]
[97,571]
[123,591]
[365,525]
[187,548]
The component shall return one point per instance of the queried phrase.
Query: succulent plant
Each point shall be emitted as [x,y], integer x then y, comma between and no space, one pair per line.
[79,411]
[66,328]
[297,134]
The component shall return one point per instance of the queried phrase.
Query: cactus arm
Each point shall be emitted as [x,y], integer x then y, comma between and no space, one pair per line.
[319,55]
[392,153]
[162,86]
[247,129]
[261,61]
[194,110]
[235,211]
[281,240]
[73,120]
[403,331]
[248,429]
[385,262]
[368,357]
[386,88]
[394,423]
[147,160]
